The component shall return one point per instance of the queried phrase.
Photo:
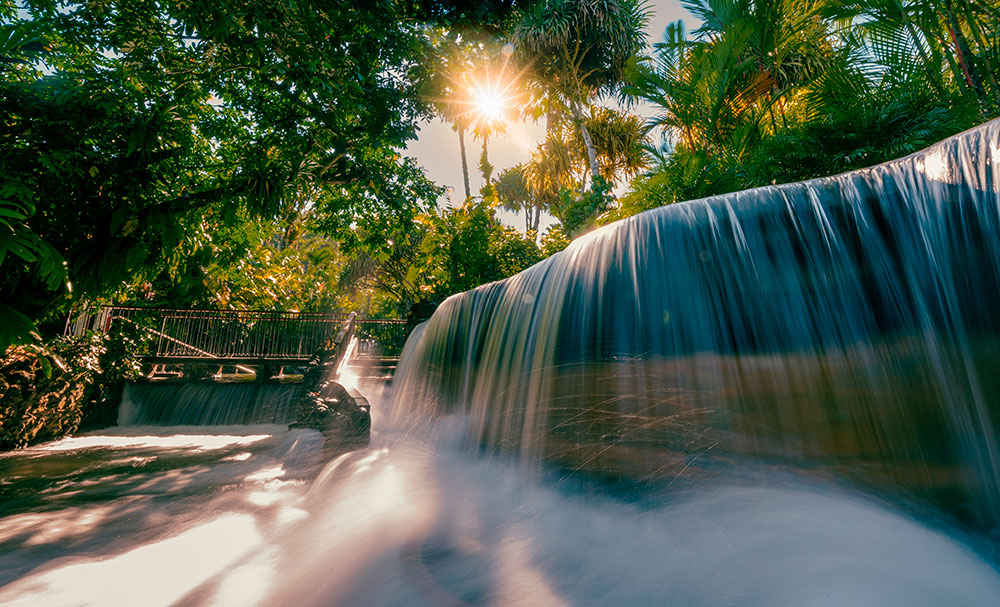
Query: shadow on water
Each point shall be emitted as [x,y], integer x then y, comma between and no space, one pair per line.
[113,491]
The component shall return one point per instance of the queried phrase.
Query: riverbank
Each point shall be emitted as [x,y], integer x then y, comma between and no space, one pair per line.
[48,391]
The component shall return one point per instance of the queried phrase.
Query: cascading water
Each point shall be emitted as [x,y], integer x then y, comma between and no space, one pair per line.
[842,327]
[793,386]
[209,403]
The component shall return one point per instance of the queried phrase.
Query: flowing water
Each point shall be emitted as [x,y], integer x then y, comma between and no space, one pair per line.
[779,397]
[843,328]
[255,515]
[209,403]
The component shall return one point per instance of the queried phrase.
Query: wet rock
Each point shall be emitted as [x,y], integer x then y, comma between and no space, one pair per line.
[343,418]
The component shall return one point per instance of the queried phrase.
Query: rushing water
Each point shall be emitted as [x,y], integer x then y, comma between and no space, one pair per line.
[779,397]
[254,515]
[843,328]
[209,403]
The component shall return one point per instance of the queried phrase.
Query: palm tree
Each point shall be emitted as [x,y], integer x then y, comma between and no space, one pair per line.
[516,195]
[775,90]
[619,139]
[707,91]
[781,45]
[955,38]
[452,103]
[578,49]
[460,123]
[484,125]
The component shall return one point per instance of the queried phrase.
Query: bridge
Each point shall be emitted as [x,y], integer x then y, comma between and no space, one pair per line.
[248,338]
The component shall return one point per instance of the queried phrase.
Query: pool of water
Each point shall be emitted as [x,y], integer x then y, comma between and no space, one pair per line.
[259,515]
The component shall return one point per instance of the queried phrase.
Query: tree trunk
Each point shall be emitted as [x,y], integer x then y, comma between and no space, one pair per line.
[484,164]
[977,33]
[595,169]
[465,164]
[960,82]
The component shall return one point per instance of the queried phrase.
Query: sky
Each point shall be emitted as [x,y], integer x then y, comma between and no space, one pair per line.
[437,148]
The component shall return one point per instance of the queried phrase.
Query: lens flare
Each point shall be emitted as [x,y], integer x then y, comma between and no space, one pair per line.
[491,105]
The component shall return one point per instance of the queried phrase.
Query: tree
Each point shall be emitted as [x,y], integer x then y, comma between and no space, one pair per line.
[489,100]
[394,273]
[451,97]
[947,36]
[284,267]
[781,45]
[771,91]
[554,239]
[135,130]
[445,251]
[515,195]
[619,140]
[577,49]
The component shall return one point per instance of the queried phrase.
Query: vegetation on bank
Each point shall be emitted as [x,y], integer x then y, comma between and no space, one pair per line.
[250,154]
[48,391]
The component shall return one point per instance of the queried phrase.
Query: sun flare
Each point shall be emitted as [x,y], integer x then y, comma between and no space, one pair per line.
[490,103]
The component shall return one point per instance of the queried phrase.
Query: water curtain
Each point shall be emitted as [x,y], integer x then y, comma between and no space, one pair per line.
[840,328]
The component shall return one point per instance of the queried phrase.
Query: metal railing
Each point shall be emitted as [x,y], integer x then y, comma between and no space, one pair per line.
[235,334]
[243,334]
[380,338]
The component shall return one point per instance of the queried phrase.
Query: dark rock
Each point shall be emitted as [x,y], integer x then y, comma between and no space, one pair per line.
[342,417]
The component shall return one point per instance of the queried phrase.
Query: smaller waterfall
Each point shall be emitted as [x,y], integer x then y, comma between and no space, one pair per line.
[208,403]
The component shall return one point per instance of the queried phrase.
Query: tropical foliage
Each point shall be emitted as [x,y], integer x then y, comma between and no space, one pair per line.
[577,49]
[252,153]
[445,252]
[136,135]
[772,91]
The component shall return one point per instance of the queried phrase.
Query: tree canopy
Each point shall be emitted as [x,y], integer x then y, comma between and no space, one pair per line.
[136,133]
[232,153]
[772,91]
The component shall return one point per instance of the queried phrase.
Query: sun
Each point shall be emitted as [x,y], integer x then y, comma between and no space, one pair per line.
[490,103]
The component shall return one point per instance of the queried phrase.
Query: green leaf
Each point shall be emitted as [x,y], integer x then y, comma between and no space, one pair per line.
[138,133]
[135,256]
[45,364]
[16,328]
[13,214]
[20,247]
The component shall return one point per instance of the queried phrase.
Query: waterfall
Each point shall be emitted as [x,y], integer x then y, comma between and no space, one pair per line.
[208,403]
[840,328]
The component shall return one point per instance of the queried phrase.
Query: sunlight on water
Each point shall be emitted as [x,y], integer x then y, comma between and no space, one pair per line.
[47,528]
[844,328]
[935,166]
[153,575]
[348,378]
[244,586]
[423,522]
[200,442]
